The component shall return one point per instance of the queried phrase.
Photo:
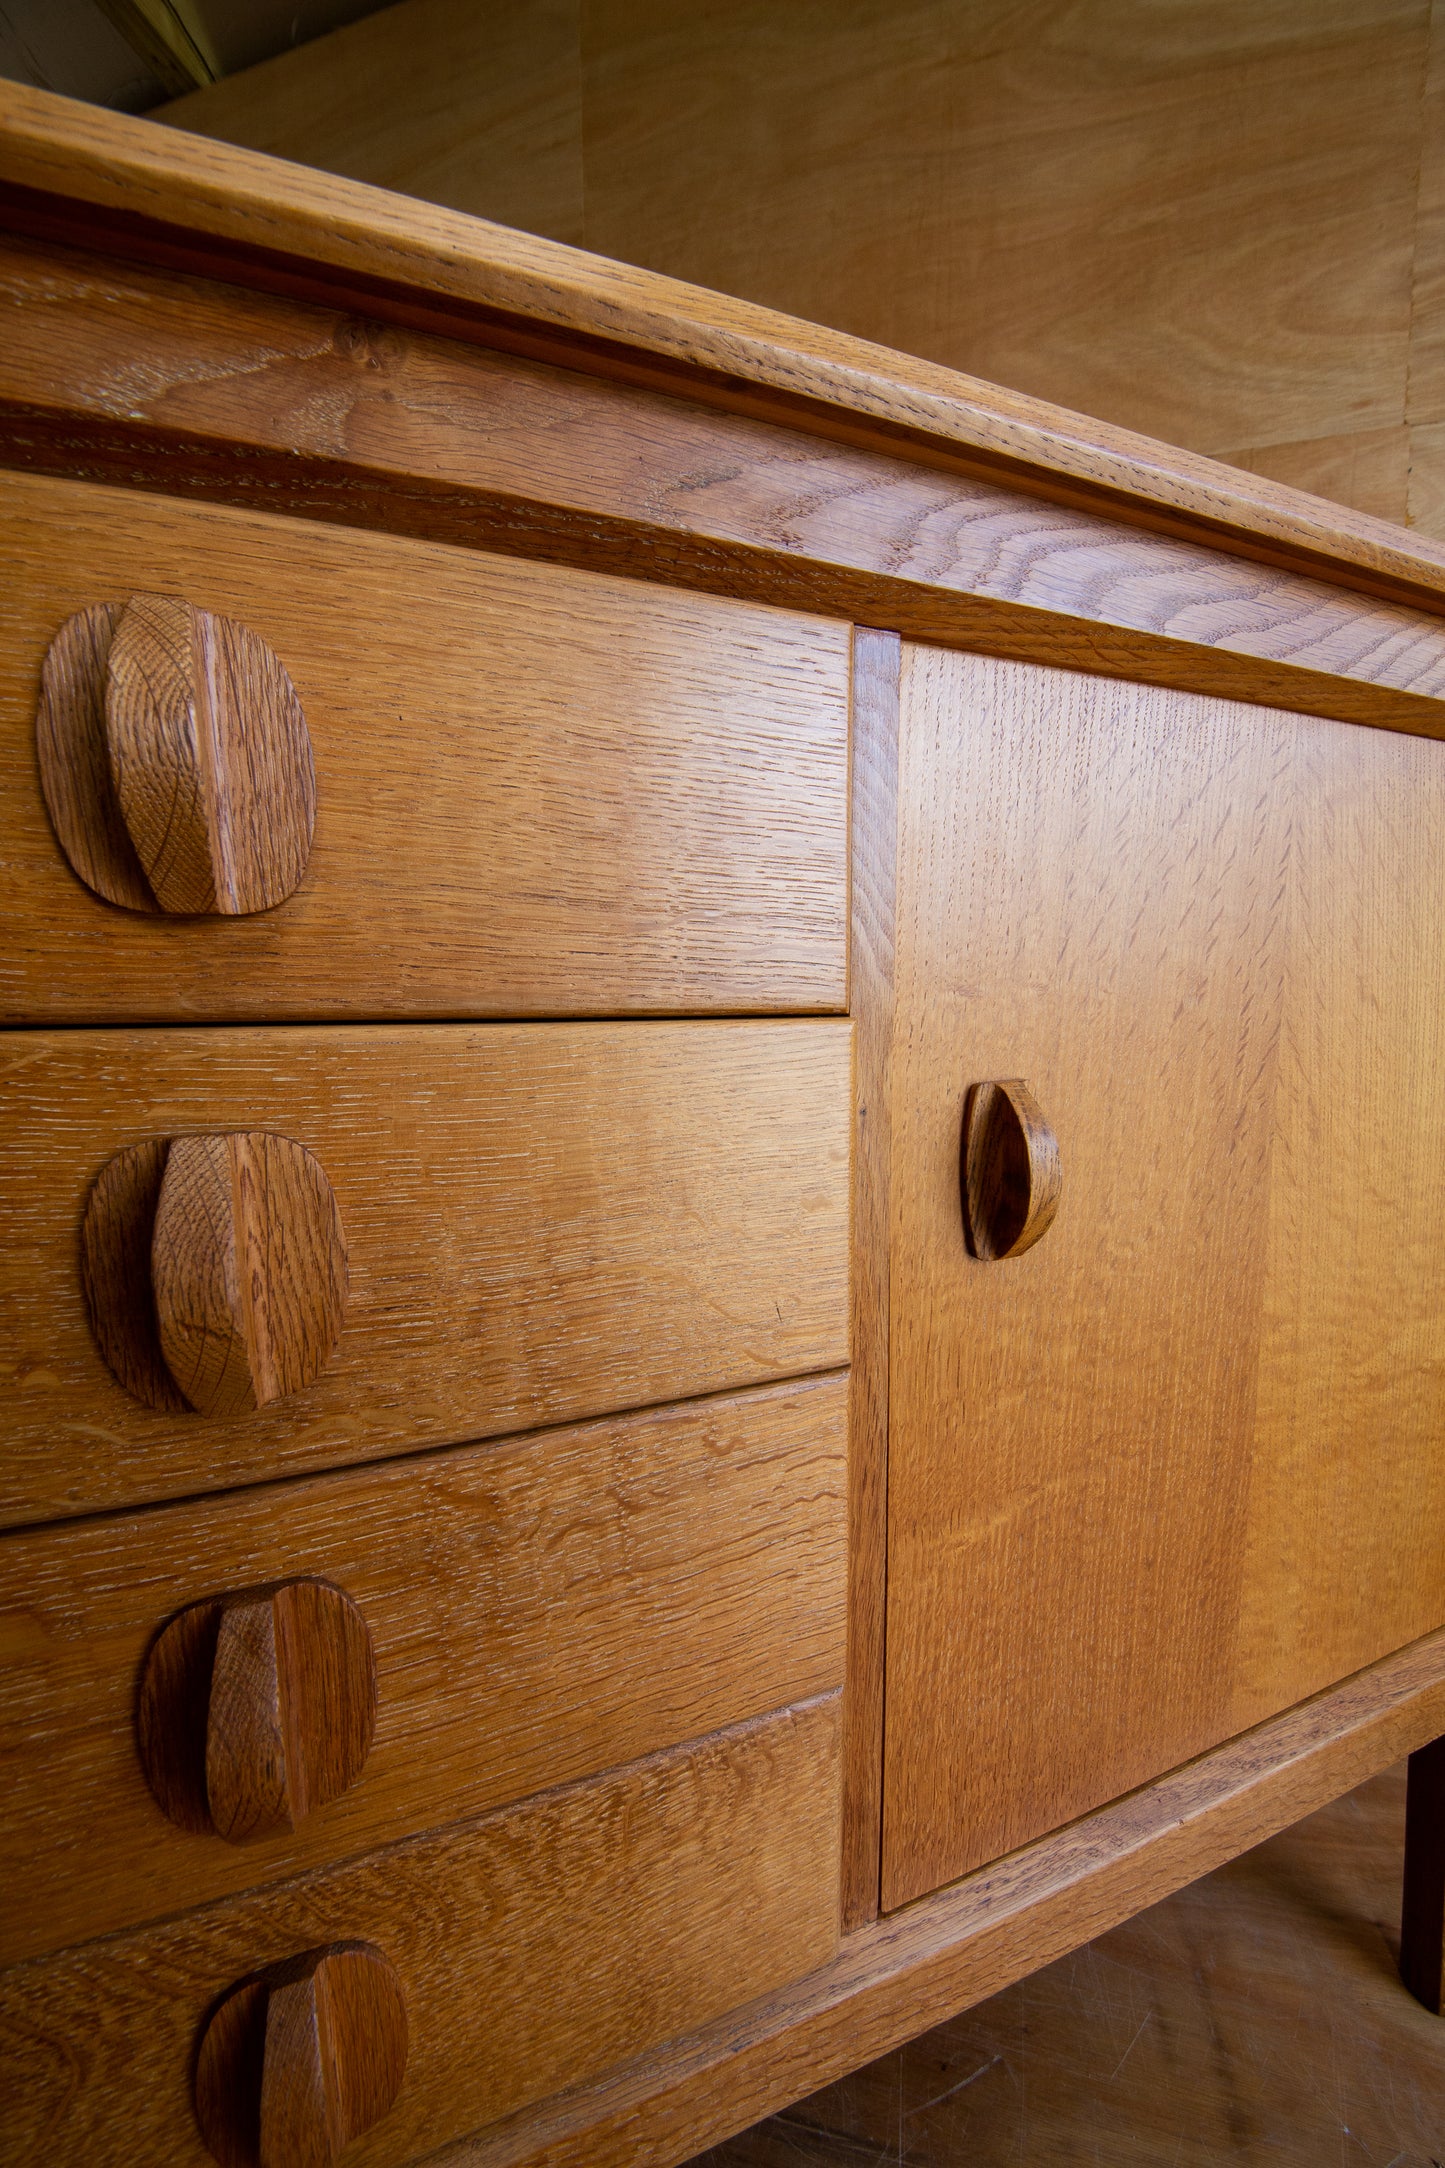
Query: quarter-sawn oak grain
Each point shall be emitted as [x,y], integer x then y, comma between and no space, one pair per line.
[72,170]
[1176,1468]
[544,1222]
[538,791]
[876,661]
[281,404]
[540,1608]
[534,1948]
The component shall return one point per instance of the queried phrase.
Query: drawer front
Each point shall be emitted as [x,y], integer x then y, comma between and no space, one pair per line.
[542,1222]
[1176,1466]
[540,1609]
[533,1949]
[538,792]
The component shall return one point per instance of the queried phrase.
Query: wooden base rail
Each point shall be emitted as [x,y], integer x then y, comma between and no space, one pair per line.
[896,1977]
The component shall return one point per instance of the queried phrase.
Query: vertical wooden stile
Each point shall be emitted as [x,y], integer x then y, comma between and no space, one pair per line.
[877,658]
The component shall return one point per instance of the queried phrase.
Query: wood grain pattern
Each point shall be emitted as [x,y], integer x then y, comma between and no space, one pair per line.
[73,170]
[544,1222]
[1368,468]
[892,1980]
[248,1268]
[1025,237]
[74,762]
[539,791]
[197,388]
[296,2064]
[116,1233]
[1422,1910]
[534,1948]
[257,1708]
[1291,148]
[1427,478]
[1346,1497]
[876,661]
[541,1608]
[1255,2018]
[1174,1469]
[1425,392]
[1010,1176]
[210,758]
[492,88]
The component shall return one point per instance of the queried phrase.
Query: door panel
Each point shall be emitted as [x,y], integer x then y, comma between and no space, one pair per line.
[1175,1466]
[1346,1540]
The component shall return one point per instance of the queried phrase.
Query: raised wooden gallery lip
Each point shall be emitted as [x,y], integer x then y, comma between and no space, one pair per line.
[76,171]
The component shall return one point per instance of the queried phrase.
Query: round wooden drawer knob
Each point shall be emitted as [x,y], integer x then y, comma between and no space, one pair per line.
[215,1270]
[1011,1177]
[175,759]
[257,1707]
[302,2059]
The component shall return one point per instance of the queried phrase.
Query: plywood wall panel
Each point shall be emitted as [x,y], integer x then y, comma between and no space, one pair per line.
[1223,224]
[1368,468]
[1194,219]
[477,107]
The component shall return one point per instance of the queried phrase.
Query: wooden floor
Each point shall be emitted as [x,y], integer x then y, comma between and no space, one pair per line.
[1255,2017]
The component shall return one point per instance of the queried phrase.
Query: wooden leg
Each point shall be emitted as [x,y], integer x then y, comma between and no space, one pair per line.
[1422,1922]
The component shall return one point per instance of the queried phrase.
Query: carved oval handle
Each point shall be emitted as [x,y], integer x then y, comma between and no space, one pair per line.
[1011,1176]
[215,1270]
[302,2059]
[257,1707]
[175,759]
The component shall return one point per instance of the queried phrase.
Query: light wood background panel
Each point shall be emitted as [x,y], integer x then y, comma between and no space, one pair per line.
[541,1608]
[1177,1466]
[538,790]
[545,1222]
[1221,224]
[534,1948]
[477,106]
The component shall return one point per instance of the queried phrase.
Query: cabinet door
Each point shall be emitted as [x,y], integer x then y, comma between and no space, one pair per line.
[1181,1463]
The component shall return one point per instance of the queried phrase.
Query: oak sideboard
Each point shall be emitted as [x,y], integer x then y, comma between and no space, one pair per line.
[723,1162]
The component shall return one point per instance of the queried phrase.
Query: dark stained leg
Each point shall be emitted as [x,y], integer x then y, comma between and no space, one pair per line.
[1422,1921]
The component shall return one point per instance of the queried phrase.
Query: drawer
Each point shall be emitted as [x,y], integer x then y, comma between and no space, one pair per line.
[542,1223]
[537,791]
[539,1609]
[533,1948]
